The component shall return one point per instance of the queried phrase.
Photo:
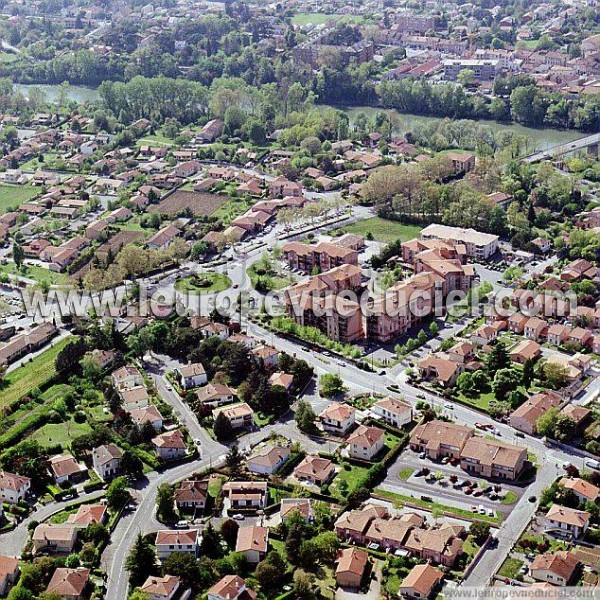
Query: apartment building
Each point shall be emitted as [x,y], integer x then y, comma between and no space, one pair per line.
[478,245]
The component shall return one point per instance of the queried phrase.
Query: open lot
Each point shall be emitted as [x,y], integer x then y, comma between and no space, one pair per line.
[383,230]
[200,203]
[33,374]
[12,196]
[404,478]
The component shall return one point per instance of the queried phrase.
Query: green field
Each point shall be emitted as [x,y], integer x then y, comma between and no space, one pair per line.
[400,500]
[218,283]
[321,18]
[351,474]
[60,433]
[12,196]
[33,374]
[37,273]
[383,230]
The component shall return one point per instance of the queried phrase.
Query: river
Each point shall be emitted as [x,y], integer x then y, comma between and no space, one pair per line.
[79,93]
[543,138]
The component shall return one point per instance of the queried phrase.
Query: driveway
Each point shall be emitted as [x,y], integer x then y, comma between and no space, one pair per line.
[374,592]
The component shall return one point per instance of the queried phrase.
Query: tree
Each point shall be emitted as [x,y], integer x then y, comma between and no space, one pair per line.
[465,383]
[116,494]
[555,374]
[480,531]
[433,328]
[211,542]
[141,561]
[139,595]
[268,576]
[565,428]
[229,531]
[305,416]
[132,464]
[18,255]
[20,593]
[528,373]
[184,566]
[545,424]
[303,585]
[505,380]
[257,134]
[331,385]
[165,502]
[222,428]
[498,358]
[233,460]
[68,358]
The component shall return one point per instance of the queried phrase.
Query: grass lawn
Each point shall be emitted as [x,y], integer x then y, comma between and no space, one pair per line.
[351,474]
[510,498]
[36,373]
[391,440]
[383,230]
[12,196]
[273,280]
[60,433]
[321,18]
[510,568]
[234,207]
[155,140]
[405,473]
[400,500]
[38,273]
[217,283]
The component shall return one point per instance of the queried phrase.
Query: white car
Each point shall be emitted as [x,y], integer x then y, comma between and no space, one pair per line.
[239,517]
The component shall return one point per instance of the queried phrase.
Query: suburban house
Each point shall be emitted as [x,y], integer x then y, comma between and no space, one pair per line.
[182,540]
[439,369]
[439,439]
[147,414]
[584,490]
[557,568]
[252,541]
[240,415]
[338,418]
[69,584]
[491,458]
[535,328]
[268,460]
[568,520]
[231,587]
[516,322]
[248,495]
[88,514]
[9,573]
[392,411]
[351,568]
[440,544]
[524,351]
[289,506]
[106,461]
[127,377]
[191,376]
[191,493]
[135,397]
[56,538]
[525,417]
[421,582]
[352,526]
[65,468]
[315,470]
[170,445]
[215,394]
[13,488]
[366,442]
[161,588]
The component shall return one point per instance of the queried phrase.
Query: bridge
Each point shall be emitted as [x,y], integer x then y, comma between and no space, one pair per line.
[590,142]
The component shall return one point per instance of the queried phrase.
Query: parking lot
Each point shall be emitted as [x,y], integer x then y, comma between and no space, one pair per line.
[447,483]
